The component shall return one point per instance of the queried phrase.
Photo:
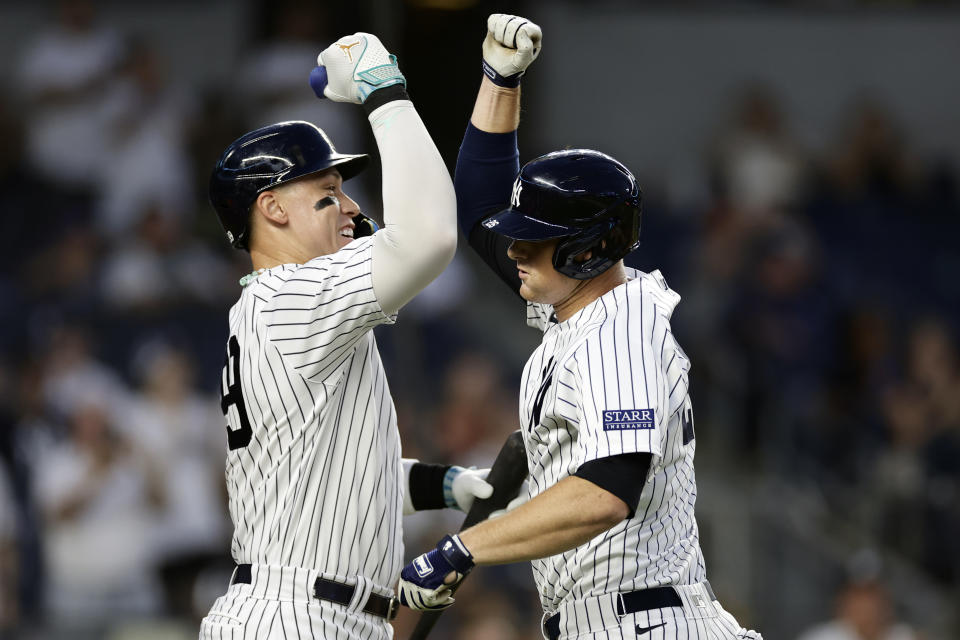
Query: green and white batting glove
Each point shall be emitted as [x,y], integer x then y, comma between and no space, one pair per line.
[356,66]
[512,43]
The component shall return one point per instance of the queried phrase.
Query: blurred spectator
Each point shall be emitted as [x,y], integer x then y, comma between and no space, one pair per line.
[73,376]
[183,434]
[476,413]
[146,136]
[100,496]
[274,75]
[935,368]
[9,562]
[65,78]
[160,267]
[872,158]
[841,441]
[898,476]
[274,81]
[758,167]
[863,612]
[781,321]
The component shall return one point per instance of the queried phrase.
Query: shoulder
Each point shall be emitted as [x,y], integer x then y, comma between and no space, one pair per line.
[629,316]
[347,260]
[645,303]
[317,276]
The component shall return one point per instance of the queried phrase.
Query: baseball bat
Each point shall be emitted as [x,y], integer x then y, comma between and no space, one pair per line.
[507,474]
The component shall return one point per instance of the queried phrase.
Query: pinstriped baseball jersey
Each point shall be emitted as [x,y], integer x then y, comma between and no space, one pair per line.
[313,470]
[609,380]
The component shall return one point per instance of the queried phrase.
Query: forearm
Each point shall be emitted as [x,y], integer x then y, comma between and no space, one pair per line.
[497,109]
[487,164]
[563,517]
[419,238]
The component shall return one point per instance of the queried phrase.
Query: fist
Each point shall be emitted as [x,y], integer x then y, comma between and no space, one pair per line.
[353,67]
[512,43]
[429,581]
[461,486]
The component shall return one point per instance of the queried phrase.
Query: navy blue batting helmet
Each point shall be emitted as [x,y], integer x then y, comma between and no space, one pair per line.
[585,197]
[268,157]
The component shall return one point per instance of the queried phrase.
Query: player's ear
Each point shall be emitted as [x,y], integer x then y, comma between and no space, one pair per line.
[268,205]
[586,255]
[583,257]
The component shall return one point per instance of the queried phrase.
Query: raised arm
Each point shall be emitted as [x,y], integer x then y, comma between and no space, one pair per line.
[489,160]
[419,236]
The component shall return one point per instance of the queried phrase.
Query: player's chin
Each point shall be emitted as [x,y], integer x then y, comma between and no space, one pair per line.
[343,241]
[528,294]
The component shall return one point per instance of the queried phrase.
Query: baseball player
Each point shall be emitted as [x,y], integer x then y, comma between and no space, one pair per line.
[314,475]
[605,408]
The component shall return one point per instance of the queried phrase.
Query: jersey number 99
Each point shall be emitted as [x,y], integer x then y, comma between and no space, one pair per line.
[232,394]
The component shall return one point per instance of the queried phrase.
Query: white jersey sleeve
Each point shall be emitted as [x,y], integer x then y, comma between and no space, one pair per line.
[319,313]
[419,236]
[623,372]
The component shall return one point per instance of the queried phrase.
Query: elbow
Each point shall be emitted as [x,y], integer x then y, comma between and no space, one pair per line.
[445,245]
[442,244]
[609,511]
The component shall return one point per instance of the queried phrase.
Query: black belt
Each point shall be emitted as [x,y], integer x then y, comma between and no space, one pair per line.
[632,602]
[338,592]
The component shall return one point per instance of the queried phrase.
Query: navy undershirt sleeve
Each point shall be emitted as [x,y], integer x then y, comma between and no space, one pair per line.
[426,486]
[622,475]
[487,165]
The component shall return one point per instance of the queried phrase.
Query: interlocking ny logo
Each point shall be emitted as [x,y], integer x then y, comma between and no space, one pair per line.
[346,49]
[515,198]
[541,394]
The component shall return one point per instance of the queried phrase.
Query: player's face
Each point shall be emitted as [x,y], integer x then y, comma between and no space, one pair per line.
[317,220]
[539,281]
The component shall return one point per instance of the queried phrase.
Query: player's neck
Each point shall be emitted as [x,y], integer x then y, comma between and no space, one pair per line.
[267,257]
[588,291]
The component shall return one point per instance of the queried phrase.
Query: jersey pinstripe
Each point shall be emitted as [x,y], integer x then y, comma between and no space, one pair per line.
[313,471]
[610,380]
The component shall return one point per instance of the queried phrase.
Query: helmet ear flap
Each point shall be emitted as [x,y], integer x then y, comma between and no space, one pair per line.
[607,241]
[592,240]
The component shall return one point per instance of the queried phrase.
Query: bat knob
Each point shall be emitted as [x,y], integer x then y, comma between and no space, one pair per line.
[318,80]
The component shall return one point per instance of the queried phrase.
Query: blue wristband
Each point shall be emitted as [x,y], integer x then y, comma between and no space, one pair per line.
[448,478]
[499,80]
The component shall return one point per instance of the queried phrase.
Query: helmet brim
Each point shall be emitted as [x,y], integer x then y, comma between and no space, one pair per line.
[348,165]
[517,225]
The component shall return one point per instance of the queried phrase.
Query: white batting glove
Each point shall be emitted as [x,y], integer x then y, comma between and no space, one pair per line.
[462,486]
[512,43]
[353,67]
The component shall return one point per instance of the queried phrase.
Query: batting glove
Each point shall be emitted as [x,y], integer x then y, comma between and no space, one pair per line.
[353,67]
[461,486]
[423,582]
[512,43]
[522,498]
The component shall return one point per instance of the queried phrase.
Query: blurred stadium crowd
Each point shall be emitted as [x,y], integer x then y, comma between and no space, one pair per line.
[820,312]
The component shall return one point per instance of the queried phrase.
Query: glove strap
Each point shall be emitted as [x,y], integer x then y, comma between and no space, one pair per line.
[380,97]
[499,80]
[451,548]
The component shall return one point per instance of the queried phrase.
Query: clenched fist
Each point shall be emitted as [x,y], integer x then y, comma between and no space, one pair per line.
[353,67]
[512,43]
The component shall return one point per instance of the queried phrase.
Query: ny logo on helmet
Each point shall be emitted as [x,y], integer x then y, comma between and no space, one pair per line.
[515,198]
